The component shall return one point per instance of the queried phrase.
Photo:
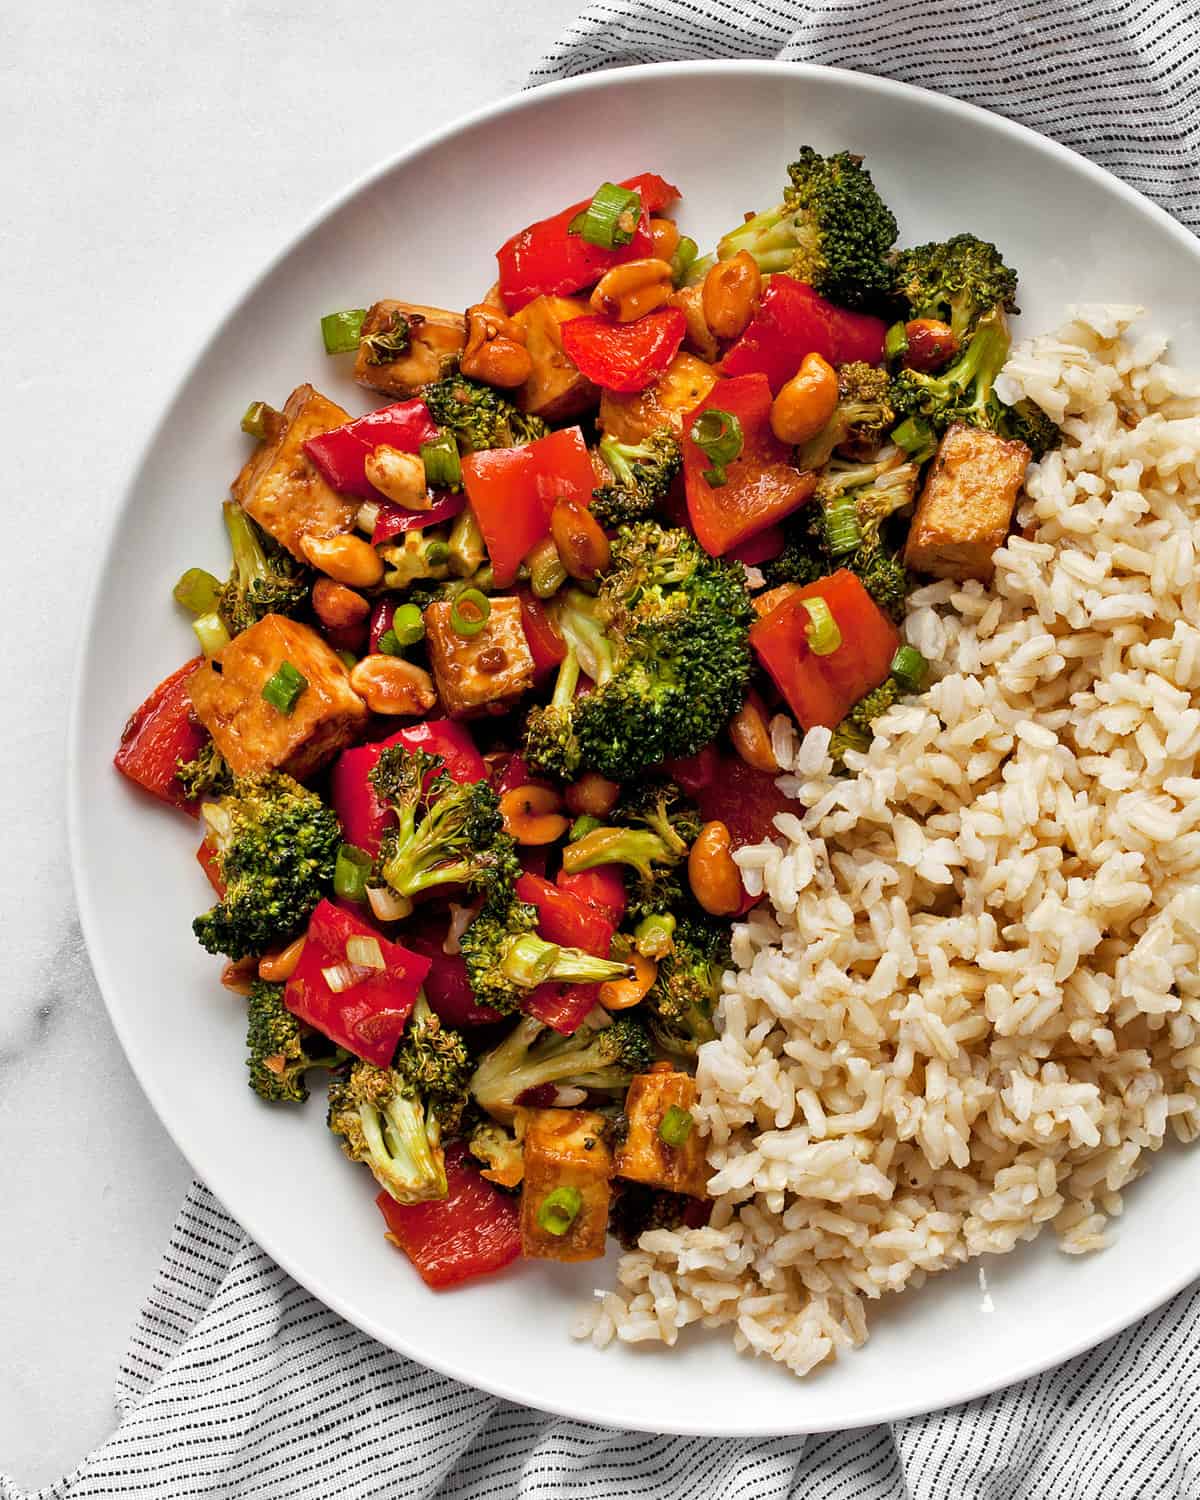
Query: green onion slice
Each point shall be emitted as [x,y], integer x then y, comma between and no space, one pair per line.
[282,689]
[350,872]
[916,437]
[895,341]
[559,1209]
[198,591]
[408,624]
[842,531]
[443,471]
[675,1126]
[909,669]
[610,219]
[584,824]
[654,936]
[436,553]
[389,643]
[211,633]
[341,331]
[821,632]
[469,612]
[718,434]
[258,419]
[682,261]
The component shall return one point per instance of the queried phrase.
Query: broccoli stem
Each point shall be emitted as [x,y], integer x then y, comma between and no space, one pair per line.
[529,961]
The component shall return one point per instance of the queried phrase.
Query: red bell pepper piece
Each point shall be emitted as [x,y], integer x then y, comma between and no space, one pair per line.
[207,861]
[394,520]
[546,646]
[512,773]
[693,772]
[513,491]
[367,1017]
[823,689]
[761,547]
[603,888]
[475,1229]
[341,455]
[792,321]
[744,799]
[624,357]
[564,1007]
[447,987]
[161,733]
[761,485]
[565,919]
[544,258]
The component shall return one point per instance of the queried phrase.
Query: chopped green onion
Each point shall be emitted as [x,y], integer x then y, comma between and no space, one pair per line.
[198,591]
[258,419]
[916,437]
[718,434]
[350,872]
[909,669]
[821,632]
[389,643]
[436,553]
[559,1209]
[842,531]
[365,952]
[610,219]
[654,936]
[282,690]
[546,572]
[408,624]
[582,826]
[211,633]
[681,262]
[443,471]
[348,660]
[675,1126]
[469,612]
[342,330]
[895,341]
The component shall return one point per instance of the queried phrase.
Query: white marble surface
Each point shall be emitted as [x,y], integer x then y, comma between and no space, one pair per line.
[153,157]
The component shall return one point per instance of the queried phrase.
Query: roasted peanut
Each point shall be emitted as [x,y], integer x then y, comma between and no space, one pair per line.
[531,814]
[627,292]
[579,538]
[238,975]
[665,234]
[346,559]
[931,344]
[620,994]
[391,685]
[699,338]
[495,350]
[278,967]
[731,292]
[806,402]
[400,476]
[712,874]
[751,735]
[336,606]
[592,794]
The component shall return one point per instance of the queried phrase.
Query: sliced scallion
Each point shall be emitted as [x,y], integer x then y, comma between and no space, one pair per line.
[821,632]
[895,342]
[365,952]
[443,471]
[469,612]
[610,219]
[437,553]
[211,633]
[258,419]
[341,331]
[675,1126]
[282,689]
[909,669]
[718,435]
[408,624]
[682,261]
[198,591]
[654,936]
[584,824]
[559,1209]
[389,643]
[842,531]
[350,872]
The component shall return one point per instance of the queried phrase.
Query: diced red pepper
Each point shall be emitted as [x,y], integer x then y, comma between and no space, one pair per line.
[474,1230]
[823,689]
[761,547]
[546,646]
[534,859]
[514,772]
[761,484]
[513,491]
[744,799]
[447,987]
[544,258]
[207,861]
[603,887]
[694,772]
[341,455]
[624,357]
[161,733]
[564,1007]
[792,321]
[367,1017]
[393,520]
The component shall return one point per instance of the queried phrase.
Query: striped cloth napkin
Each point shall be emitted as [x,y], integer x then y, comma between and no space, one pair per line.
[238,1383]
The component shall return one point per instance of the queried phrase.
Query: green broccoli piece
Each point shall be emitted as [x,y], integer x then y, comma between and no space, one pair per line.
[832,230]
[206,775]
[280,1049]
[855,731]
[478,415]
[860,420]
[532,1055]
[955,281]
[391,340]
[1027,423]
[636,1209]
[275,845]
[550,740]
[266,580]
[682,999]
[502,1154]
[651,830]
[642,476]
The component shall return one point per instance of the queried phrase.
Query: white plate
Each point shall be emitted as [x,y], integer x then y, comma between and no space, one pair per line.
[424,227]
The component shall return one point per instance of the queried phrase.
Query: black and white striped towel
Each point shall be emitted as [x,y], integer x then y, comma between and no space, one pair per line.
[237,1383]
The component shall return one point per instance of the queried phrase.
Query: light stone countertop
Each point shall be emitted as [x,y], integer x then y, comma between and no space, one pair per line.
[153,157]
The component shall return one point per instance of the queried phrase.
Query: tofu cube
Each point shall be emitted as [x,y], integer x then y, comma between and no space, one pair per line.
[481,673]
[643,1156]
[282,489]
[252,734]
[555,388]
[966,507]
[436,338]
[565,1148]
[677,391]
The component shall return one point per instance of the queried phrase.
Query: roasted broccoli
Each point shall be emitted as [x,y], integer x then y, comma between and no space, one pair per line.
[265,579]
[391,339]
[206,775]
[532,1055]
[832,230]
[478,415]
[855,731]
[667,638]
[860,420]
[637,1208]
[683,997]
[275,845]
[650,830]
[955,281]
[280,1049]
[502,1154]
[642,475]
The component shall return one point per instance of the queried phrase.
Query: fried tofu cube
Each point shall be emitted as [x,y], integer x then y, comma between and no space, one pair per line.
[282,489]
[643,1156]
[555,389]
[436,338]
[565,1149]
[480,673]
[252,734]
[678,390]
[966,507]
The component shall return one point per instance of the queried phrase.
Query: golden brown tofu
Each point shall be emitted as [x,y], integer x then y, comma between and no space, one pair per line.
[643,1156]
[281,488]
[555,388]
[481,673]
[254,735]
[565,1149]
[436,339]
[682,386]
[966,507]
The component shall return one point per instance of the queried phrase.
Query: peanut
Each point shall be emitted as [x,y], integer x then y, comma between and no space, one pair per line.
[751,736]
[665,234]
[700,338]
[629,291]
[592,794]
[931,344]
[579,538]
[346,559]
[806,402]
[495,349]
[238,975]
[731,292]
[712,874]
[399,476]
[278,967]
[531,814]
[391,685]
[620,994]
[336,606]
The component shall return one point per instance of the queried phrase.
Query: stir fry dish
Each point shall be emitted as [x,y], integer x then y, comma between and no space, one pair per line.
[484,706]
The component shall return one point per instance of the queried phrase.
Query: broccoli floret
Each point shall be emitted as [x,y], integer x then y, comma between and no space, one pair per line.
[956,281]
[855,731]
[637,1208]
[391,340]
[275,845]
[280,1049]
[434,1063]
[550,740]
[650,830]
[681,1001]
[832,230]
[642,476]
[206,775]
[532,1054]
[860,420]
[479,416]
[265,579]
[1027,423]
[502,1154]
[446,833]
[673,627]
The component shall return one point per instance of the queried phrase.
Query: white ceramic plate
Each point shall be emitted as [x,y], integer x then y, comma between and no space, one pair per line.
[424,227]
